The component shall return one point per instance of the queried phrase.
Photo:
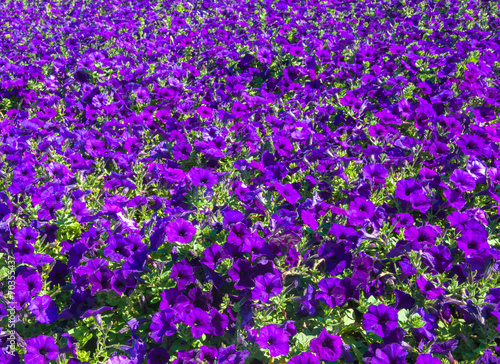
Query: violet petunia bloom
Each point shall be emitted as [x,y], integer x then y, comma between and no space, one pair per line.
[332,292]
[267,286]
[28,281]
[202,177]
[163,324]
[390,354]
[405,187]
[471,241]
[428,289]
[117,248]
[213,255]
[427,359]
[471,145]
[119,359]
[309,219]
[205,112]
[142,96]
[158,356]
[328,347]
[420,201]
[304,358]
[463,181]
[275,339]
[199,321]
[41,350]
[308,302]
[423,234]
[183,274]
[180,230]
[288,193]
[361,209]
[229,355]
[219,322]
[380,320]
[494,174]
[375,173]
[26,235]
[44,309]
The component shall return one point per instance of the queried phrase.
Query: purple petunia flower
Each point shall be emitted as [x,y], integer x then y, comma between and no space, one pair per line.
[205,112]
[328,347]
[202,177]
[267,286]
[380,320]
[28,281]
[494,174]
[463,181]
[428,288]
[309,219]
[420,201]
[390,354]
[117,248]
[427,359]
[288,192]
[119,359]
[229,355]
[219,322]
[471,241]
[405,187]
[41,350]
[471,144]
[180,230]
[44,309]
[183,274]
[332,292]
[158,356]
[163,324]
[308,303]
[142,96]
[361,209]
[375,173]
[213,255]
[275,339]
[304,358]
[26,235]
[199,321]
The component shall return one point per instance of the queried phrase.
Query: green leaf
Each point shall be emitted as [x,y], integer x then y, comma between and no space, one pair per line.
[349,317]
[403,316]
[302,340]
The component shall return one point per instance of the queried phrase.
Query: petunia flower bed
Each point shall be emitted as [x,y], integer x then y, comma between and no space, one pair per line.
[250,182]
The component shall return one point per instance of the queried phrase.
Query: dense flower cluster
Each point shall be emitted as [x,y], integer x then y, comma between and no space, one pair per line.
[230,182]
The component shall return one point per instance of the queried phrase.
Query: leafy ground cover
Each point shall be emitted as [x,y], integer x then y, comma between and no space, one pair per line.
[250,181]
